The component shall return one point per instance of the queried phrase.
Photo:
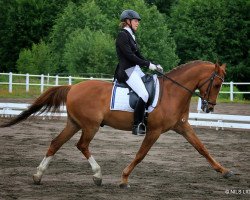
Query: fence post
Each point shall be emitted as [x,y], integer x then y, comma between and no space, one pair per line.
[27,82]
[199,105]
[70,80]
[42,83]
[231,91]
[10,82]
[48,79]
[56,79]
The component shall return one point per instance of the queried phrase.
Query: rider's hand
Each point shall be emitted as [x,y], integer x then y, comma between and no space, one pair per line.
[152,66]
[159,68]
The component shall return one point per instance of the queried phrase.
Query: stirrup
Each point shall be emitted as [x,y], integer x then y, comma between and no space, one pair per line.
[139,129]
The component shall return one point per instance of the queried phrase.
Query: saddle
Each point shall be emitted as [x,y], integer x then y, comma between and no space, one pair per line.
[149,83]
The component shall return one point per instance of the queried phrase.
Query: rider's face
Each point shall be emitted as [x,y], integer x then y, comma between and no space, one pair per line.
[134,24]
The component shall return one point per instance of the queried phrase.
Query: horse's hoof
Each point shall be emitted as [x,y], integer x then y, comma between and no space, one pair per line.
[124,186]
[37,179]
[228,174]
[97,181]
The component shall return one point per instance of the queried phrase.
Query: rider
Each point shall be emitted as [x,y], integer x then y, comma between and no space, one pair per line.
[128,69]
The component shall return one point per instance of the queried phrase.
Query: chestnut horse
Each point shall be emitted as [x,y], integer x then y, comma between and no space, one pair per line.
[88,107]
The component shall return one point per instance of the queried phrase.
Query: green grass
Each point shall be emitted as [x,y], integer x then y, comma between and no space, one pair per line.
[20,92]
[224,100]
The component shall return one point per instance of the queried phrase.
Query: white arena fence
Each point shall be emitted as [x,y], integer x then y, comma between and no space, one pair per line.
[196,119]
[43,81]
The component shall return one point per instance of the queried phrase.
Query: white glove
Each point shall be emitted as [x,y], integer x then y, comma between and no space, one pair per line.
[152,66]
[159,68]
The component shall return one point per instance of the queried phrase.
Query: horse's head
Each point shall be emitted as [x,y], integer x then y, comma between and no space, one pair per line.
[210,88]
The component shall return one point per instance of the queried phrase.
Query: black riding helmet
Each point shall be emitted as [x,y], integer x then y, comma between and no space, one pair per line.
[129,14]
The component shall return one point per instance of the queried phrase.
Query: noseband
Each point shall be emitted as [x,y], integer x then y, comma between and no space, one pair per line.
[205,101]
[208,90]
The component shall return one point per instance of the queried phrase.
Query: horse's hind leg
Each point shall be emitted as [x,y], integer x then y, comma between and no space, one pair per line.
[187,131]
[70,129]
[83,146]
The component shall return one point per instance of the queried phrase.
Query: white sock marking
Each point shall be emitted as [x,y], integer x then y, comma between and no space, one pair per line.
[43,166]
[95,167]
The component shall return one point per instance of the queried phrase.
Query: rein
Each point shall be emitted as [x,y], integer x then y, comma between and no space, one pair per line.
[205,102]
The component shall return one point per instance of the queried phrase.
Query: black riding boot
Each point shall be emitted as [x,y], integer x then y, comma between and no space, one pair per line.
[139,127]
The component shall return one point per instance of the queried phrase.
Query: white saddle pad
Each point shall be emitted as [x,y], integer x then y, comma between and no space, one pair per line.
[120,98]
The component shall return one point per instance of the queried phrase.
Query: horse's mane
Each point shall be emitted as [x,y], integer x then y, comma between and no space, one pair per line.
[187,65]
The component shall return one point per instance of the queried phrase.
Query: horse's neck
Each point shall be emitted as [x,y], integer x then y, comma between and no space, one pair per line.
[188,77]
[179,95]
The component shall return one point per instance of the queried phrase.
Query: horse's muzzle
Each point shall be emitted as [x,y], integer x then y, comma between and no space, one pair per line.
[208,110]
[207,107]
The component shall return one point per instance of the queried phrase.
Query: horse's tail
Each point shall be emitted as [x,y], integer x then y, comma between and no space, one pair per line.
[48,101]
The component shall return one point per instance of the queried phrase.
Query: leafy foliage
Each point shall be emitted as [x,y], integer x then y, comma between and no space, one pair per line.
[89,52]
[97,17]
[216,31]
[162,5]
[213,30]
[24,22]
[38,60]
[77,36]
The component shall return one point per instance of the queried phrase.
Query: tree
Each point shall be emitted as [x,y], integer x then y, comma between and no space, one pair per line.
[89,52]
[72,18]
[95,16]
[38,60]
[24,22]
[213,30]
[162,5]
[75,52]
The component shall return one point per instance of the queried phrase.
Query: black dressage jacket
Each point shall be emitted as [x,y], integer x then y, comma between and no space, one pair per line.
[128,55]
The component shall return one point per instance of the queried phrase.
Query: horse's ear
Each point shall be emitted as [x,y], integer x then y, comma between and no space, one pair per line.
[217,67]
[223,66]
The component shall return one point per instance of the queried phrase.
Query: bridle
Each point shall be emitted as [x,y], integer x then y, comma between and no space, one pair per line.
[204,101]
[208,90]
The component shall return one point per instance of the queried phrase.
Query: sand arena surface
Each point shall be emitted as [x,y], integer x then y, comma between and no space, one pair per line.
[173,169]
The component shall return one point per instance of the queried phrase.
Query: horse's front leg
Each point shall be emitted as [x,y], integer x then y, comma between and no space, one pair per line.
[147,143]
[185,129]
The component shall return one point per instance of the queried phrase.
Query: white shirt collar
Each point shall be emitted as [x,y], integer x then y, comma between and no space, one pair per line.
[130,31]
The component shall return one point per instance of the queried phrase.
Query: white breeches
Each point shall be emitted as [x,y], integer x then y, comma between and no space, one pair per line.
[137,85]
